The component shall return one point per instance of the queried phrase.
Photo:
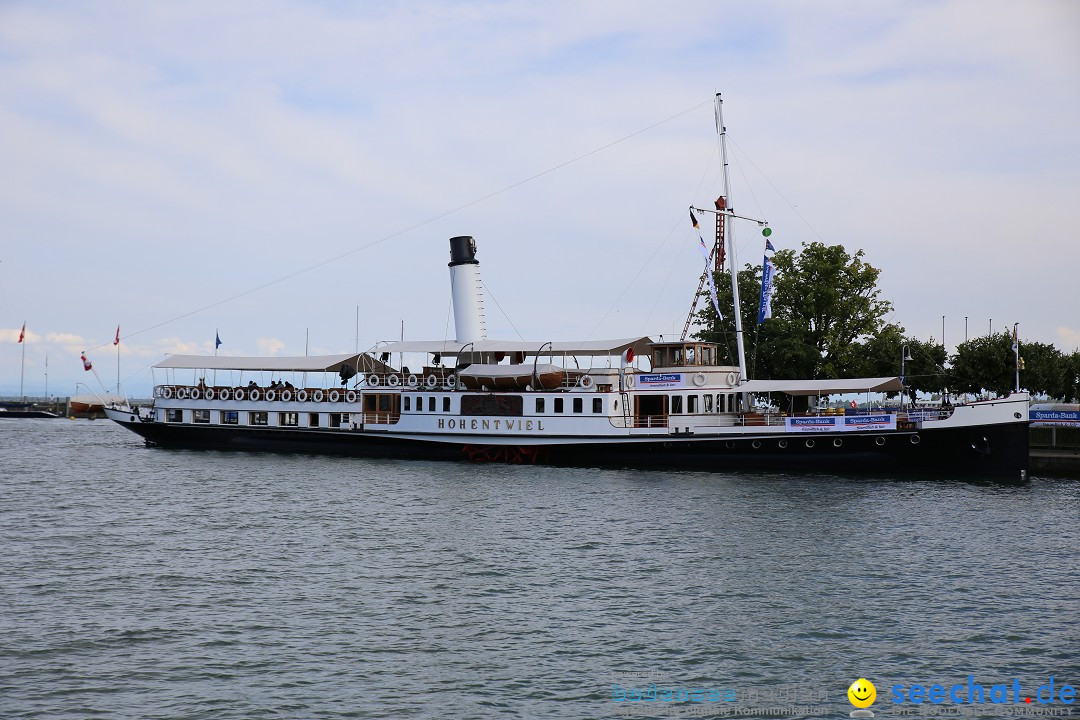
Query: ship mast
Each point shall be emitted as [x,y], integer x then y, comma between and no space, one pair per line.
[733,258]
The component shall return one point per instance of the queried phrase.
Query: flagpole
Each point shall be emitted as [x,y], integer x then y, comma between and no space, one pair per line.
[1016,352]
[46,377]
[118,363]
[22,371]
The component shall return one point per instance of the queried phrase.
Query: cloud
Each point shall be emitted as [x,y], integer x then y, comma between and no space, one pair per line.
[270,346]
[11,335]
[1068,340]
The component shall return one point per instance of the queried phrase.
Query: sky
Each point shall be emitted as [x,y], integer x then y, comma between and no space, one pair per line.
[272,170]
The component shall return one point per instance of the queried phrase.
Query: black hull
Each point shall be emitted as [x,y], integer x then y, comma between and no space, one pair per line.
[987,451]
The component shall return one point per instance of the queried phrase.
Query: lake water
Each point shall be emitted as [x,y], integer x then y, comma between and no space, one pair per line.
[147,583]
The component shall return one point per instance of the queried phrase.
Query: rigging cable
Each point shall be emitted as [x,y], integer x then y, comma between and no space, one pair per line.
[414,226]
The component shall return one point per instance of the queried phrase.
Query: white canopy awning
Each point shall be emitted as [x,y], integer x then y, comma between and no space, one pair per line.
[530,348]
[313,363]
[823,387]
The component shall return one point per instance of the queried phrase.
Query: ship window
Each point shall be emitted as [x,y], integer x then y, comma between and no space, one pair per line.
[369,403]
[230,417]
[313,420]
[558,405]
[539,405]
[385,403]
[707,404]
[408,403]
[200,416]
[577,405]
[419,404]
[431,404]
[598,405]
[288,419]
[174,416]
[446,404]
[257,418]
[334,419]
[676,403]
[691,404]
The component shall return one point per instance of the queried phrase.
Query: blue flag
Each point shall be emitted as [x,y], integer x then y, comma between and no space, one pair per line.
[217,340]
[765,307]
[769,245]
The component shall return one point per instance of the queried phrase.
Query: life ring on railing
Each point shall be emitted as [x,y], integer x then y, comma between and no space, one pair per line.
[334,396]
[301,395]
[393,380]
[732,378]
[166,392]
[317,396]
[413,382]
[286,395]
[698,379]
[181,394]
[210,394]
[350,396]
[271,395]
[451,381]
[373,380]
[254,394]
[431,381]
[585,381]
[628,380]
[238,394]
[195,394]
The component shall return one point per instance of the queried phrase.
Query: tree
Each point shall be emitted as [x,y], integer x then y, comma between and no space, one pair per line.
[989,363]
[826,306]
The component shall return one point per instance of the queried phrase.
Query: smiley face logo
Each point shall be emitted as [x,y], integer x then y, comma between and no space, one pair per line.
[862,693]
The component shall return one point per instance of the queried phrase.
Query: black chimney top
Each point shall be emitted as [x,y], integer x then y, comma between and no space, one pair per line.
[463,251]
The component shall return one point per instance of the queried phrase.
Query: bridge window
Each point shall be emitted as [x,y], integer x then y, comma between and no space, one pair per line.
[707,404]
[676,404]
[691,404]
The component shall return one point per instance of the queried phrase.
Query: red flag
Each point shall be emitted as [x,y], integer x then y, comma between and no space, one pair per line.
[22,333]
[86,363]
[117,340]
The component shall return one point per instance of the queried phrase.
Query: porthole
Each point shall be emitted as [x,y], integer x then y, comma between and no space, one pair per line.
[730,445]
[810,443]
[756,444]
[782,444]
[837,442]
[915,439]
[1017,415]
[879,441]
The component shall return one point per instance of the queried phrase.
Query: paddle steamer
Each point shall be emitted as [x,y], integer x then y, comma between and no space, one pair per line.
[629,402]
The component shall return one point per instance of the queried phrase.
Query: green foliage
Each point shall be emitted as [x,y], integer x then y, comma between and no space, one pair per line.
[826,306]
[989,363]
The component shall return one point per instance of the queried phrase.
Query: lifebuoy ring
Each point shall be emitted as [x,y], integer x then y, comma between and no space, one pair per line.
[699,379]
[254,394]
[350,396]
[393,380]
[732,378]
[413,382]
[302,395]
[271,395]
[210,394]
[451,382]
[585,381]
[373,381]
[286,395]
[334,396]
[432,381]
[628,380]
[238,394]
[318,396]
[181,394]
[195,394]
[166,392]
